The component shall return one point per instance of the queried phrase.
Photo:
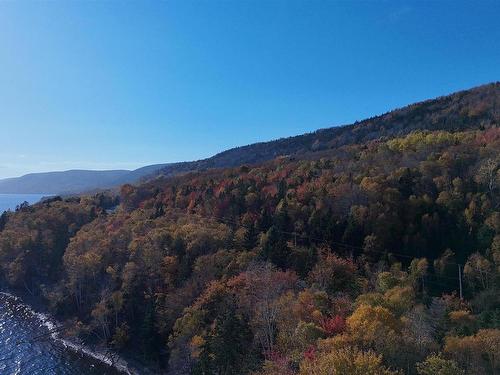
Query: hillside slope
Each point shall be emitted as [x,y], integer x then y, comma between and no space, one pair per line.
[470,109]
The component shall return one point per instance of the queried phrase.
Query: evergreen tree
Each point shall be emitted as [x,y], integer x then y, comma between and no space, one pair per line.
[226,350]
[275,248]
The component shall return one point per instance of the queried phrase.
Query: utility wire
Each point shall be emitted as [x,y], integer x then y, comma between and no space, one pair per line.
[312,239]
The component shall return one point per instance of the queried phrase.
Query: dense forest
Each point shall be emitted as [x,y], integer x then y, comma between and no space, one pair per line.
[377,256]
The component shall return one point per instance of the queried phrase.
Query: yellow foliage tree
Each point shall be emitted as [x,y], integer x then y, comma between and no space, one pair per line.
[345,361]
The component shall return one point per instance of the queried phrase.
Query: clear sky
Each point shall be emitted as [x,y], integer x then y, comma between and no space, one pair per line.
[112,84]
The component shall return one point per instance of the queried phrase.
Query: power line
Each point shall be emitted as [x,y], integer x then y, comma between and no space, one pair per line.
[324,241]
[310,238]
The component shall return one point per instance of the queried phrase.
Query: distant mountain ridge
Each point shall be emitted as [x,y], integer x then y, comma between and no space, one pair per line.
[475,108]
[72,181]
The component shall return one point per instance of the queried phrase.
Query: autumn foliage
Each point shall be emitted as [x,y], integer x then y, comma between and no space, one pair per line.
[343,261]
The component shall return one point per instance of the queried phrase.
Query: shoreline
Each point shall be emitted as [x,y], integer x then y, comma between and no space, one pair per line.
[109,358]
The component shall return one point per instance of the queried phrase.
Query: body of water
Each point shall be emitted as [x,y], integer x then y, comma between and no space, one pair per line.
[10,201]
[28,345]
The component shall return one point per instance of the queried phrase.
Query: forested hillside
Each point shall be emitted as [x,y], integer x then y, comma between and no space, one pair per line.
[375,252]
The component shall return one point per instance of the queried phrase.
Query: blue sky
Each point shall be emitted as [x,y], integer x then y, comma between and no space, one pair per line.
[112,84]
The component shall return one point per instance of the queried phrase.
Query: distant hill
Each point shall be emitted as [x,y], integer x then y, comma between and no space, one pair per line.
[74,181]
[71,182]
[60,182]
[470,109]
